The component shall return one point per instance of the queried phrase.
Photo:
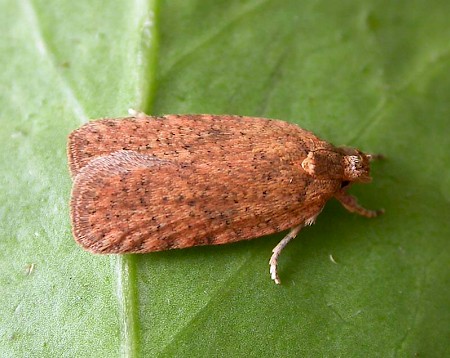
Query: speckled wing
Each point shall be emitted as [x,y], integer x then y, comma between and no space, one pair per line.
[135,202]
[186,138]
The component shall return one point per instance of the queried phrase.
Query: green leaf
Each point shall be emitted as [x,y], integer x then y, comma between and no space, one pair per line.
[370,74]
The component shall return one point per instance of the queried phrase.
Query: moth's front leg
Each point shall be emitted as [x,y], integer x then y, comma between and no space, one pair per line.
[351,204]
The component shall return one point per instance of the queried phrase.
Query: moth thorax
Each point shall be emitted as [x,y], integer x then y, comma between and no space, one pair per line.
[323,164]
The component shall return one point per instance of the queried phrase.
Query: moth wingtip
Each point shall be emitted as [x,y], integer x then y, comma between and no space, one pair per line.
[73,152]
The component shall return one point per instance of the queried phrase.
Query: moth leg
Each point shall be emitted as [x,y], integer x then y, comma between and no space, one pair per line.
[351,204]
[136,114]
[273,262]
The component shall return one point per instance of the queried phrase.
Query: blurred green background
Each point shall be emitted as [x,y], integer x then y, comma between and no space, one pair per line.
[370,74]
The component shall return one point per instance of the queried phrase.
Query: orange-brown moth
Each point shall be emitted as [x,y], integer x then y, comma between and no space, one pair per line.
[143,184]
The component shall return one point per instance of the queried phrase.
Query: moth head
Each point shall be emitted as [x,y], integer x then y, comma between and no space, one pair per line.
[356,166]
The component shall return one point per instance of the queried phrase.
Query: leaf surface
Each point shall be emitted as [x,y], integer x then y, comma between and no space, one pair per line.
[369,74]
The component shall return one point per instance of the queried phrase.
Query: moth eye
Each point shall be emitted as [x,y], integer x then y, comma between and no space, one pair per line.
[355,162]
[345,183]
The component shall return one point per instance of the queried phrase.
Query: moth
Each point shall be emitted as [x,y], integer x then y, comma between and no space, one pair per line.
[144,184]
